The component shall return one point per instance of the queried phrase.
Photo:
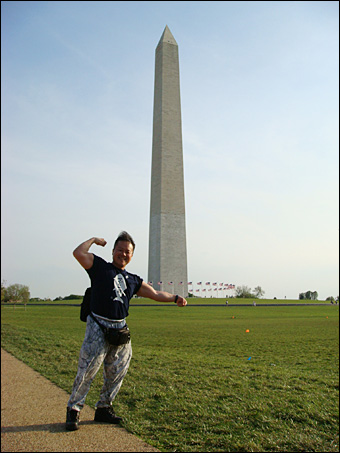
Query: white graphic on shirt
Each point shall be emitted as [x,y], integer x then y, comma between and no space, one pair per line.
[120,286]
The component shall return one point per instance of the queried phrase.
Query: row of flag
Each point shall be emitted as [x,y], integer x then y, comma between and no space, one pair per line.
[161,283]
[215,289]
[223,286]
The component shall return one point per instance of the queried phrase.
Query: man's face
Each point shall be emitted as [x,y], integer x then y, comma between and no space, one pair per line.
[122,254]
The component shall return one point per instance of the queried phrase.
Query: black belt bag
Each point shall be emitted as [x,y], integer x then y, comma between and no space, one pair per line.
[116,337]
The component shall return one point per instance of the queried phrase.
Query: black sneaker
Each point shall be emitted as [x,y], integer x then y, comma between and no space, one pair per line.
[106,415]
[72,419]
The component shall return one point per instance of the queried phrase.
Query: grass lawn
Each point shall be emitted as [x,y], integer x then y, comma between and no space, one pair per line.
[198,381]
[191,301]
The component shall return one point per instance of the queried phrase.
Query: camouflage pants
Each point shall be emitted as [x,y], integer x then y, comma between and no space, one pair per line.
[96,350]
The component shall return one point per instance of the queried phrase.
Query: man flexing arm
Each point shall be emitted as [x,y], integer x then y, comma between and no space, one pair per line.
[82,254]
[85,258]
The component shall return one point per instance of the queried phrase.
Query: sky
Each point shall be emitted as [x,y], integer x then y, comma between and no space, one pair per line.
[260,114]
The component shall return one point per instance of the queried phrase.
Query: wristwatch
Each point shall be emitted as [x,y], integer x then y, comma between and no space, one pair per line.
[176,299]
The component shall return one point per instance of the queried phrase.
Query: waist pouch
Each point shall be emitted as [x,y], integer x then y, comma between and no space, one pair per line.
[115,337]
[118,336]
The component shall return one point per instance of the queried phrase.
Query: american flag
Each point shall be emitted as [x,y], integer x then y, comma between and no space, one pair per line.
[207,283]
[181,283]
[171,283]
[215,284]
[150,283]
[199,283]
[189,283]
[160,283]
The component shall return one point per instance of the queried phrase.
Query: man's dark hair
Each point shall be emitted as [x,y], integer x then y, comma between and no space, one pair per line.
[124,236]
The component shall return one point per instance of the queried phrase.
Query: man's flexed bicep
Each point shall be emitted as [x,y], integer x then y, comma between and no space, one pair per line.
[82,254]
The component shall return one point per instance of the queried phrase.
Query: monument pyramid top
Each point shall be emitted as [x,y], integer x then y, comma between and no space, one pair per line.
[167,37]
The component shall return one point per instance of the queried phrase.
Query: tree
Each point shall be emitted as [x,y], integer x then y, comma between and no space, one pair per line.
[258,292]
[330,299]
[309,295]
[17,293]
[243,292]
[72,297]
[314,295]
[3,291]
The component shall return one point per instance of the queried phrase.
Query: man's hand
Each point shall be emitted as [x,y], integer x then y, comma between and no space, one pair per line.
[181,302]
[100,241]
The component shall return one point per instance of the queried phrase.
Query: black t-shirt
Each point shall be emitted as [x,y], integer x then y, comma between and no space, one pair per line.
[112,289]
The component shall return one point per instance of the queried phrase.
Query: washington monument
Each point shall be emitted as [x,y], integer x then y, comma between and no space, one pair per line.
[167,233]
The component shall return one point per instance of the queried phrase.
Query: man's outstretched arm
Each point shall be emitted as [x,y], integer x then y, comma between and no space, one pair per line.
[161,296]
[82,254]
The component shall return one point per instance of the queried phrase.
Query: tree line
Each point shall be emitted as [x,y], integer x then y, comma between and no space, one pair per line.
[309,295]
[244,292]
[15,293]
[18,293]
[21,293]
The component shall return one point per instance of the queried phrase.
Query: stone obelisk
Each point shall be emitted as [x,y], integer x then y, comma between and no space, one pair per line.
[167,233]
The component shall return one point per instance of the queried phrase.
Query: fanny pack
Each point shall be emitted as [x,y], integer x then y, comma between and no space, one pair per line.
[115,337]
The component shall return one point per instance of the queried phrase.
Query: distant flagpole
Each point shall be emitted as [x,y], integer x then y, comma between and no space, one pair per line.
[226,289]
[192,288]
[208,284]
[200,284]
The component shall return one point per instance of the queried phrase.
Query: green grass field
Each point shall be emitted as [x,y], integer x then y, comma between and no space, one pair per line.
[198,381]
[193,301]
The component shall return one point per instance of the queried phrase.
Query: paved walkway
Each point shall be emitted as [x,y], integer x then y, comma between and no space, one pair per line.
[33,412]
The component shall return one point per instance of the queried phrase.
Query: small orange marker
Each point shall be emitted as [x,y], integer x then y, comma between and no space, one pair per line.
[247,330]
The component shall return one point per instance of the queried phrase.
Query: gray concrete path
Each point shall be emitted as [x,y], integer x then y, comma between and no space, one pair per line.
[33,412]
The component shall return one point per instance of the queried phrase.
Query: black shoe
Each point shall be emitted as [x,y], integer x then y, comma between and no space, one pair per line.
[107,415]
[72,419]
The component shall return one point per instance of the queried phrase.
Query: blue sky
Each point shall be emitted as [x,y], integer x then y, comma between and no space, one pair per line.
[260,115]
